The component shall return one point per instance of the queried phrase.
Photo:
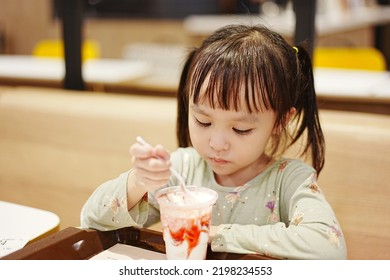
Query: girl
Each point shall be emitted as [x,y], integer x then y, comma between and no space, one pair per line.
[245,96]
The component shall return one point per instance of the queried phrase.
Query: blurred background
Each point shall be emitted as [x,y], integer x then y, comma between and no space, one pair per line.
[57,145]
[117,24]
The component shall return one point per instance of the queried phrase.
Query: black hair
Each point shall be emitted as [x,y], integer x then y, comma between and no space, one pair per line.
[275,76]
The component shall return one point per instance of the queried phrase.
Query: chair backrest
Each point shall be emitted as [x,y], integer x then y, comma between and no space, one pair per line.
[351,58]
[55,48]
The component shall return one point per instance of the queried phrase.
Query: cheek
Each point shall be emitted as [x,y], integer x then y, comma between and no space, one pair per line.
[195,133]
[255,148]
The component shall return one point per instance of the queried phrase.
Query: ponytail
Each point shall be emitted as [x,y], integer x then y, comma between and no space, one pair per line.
[307,111]
[182,131]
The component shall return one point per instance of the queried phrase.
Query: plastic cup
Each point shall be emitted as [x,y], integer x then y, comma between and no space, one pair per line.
[186,222]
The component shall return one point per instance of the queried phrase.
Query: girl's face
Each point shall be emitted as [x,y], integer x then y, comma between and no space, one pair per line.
[232,142]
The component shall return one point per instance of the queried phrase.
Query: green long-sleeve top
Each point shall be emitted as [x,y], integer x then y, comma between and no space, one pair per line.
[281,212]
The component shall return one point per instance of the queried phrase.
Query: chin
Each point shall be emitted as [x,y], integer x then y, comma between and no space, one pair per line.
[222,170]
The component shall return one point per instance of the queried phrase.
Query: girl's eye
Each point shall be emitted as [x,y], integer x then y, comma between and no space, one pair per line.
[202,124]
[243,132]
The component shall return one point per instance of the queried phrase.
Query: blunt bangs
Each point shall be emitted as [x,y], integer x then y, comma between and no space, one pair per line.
[237,76]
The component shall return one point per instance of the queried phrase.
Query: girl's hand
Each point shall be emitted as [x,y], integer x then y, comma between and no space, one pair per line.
[212,232]
[150,166]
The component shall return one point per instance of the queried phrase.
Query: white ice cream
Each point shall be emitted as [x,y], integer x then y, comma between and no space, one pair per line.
[180,198]
[185,221]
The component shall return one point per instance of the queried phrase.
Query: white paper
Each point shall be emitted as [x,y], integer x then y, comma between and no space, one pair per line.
[9,245]
[127,252]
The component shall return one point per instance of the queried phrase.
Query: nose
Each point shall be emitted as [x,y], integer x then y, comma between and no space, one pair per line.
[218,142]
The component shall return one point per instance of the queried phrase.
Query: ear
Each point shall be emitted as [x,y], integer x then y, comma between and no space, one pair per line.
[289,116]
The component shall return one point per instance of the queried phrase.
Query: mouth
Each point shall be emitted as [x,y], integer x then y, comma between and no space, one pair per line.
[217,160]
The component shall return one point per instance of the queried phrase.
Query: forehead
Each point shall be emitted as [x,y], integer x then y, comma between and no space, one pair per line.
[206,109]
[229,116]
[233,96]
[230,76]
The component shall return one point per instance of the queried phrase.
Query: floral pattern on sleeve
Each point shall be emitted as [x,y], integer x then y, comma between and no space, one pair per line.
[334,234]
[271,205]
[297,218]
[117,205]
[313,186]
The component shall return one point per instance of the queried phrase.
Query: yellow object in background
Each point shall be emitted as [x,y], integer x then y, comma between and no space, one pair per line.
[55,48]
[350,58]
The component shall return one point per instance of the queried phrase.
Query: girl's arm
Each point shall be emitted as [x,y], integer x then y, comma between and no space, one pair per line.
[122,202]
[107,207]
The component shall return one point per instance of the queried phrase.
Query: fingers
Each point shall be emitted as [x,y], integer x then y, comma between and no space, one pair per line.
[141,151]
[212,232]
[150,182]
[147,169]
[161,152]
[151,165]
[150,159]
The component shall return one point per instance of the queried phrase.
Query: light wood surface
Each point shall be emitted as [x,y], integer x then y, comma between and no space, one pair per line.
[56,147]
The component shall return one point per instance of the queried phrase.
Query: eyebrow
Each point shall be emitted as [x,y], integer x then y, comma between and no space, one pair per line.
[243,118]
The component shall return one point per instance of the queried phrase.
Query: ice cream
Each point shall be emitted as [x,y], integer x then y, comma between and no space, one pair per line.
[186,221]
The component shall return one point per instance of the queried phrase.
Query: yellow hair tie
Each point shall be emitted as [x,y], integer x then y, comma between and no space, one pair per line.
[295,48]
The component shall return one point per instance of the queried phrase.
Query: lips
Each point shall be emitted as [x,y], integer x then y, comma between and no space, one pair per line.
[218,160]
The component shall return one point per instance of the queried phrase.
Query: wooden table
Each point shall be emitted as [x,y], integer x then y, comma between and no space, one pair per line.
[337,89]
[353,90]
[78,244]
[30,70]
